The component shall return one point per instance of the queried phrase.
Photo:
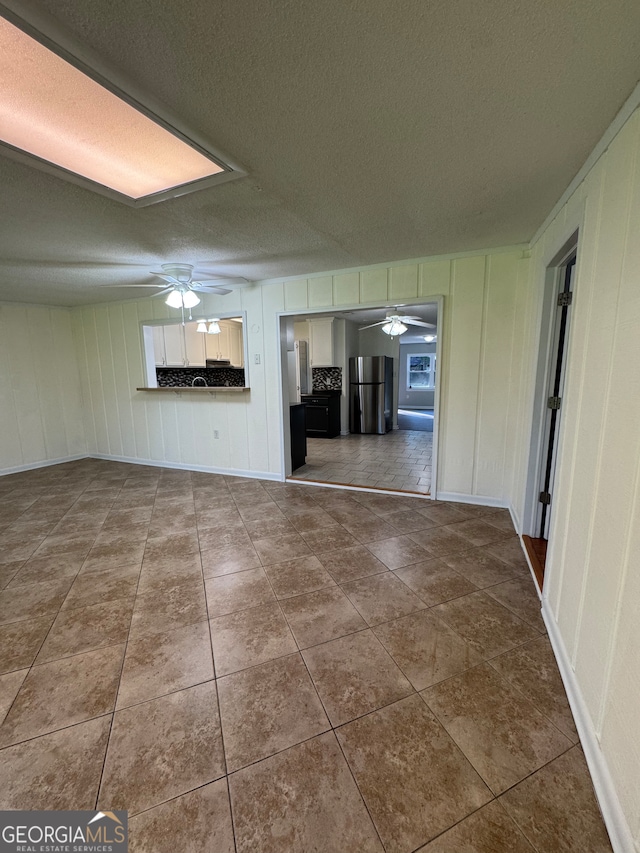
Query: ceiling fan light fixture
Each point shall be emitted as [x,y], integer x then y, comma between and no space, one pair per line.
[190,299]
[394,327]
[201,327]
[174,299]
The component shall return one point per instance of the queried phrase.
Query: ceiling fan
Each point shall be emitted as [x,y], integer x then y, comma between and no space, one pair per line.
[394,324]
[182,288]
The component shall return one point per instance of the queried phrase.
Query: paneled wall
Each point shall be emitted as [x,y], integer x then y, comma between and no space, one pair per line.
[592,584]
[40,405]
[481,335]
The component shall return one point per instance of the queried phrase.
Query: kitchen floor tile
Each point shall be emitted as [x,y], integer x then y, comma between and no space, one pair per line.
[20,642]
[487,626]
[228,559]
[239,591]
[46,569]
[510,551]
[477,532]
[161,749]
[519,596]
[502,734]
[58,694]
[439,541]
[321,616]
[157,664]
[103,585]
[301,800]
[295,577]
[532,668]
[32,601]
[268,708]
[415,781]
[197,822]
[249,637]
[354,675]
[10,684]
[84,629]
[556,808]
[434,581]
[481,568]
[398,552]
[382,597]
[425,648]
[347,564]
[56,771]
[489,830]
[328,539]
[180,605]
[276,549]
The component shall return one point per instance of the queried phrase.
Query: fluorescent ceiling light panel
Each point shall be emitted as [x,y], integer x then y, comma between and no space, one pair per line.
[50,109]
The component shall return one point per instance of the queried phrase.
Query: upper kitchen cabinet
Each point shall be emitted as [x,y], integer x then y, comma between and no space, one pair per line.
[194,345]
[168,346]
[175,345]
[228,345]
[321,349]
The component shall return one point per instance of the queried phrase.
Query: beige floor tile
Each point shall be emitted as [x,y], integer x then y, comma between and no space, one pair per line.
[250,637]
[321,616]
[84,629]
[502,734]
[398,552]
[276,549]
[487,626]
[328,539]
[347,564]
[239,591]
[32,601]
[382,597]
[57,771]
[532,668]
[10,684]
[180,605]
[406,520]
[301,800]
[434,581]
[438,541]
[295,577]
[477,532]
[103,585]
[8,571]
[311,519]
[47,569]
[158,664]
[228,559]
[197,822]
[371,531]
[268,708]
[270,527]
[235,537]
[556,808]
[519,596]
[58,694]
[172,545]
[414,780]
[425,648]
[509,550]
[481,568]
[354,675]
[159,575]
[489,830]
[21,641]
[161,749]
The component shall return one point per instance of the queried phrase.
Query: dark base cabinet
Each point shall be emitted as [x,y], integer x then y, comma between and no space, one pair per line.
[298,436]
[323,414]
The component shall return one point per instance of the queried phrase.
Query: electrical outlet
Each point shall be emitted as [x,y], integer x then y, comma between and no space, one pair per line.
[216,434]
[256,358]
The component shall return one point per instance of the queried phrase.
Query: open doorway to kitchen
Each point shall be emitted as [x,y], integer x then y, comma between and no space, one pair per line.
[549,393]
[357,432]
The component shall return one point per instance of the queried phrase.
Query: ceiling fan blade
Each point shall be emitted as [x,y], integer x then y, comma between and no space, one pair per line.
[162,292]
[221,279]
[166,277]
[381,323]
[417,322]
[211,289]
[131,285]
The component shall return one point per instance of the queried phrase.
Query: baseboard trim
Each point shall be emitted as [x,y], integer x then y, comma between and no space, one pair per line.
[614,818]
[45,463]
[183,466]
[459,497]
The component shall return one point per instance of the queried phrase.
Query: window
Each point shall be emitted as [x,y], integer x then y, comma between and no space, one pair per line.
[421,372]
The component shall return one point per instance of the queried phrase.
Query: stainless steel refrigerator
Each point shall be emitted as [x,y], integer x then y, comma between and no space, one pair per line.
[371,394]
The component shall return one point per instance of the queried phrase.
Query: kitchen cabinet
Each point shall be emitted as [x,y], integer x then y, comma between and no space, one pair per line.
[322,411]
[228,344]
[158,346]
[194,346]
[321,342]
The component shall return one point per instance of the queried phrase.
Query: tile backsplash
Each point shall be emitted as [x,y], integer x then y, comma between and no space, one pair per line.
[326,378]
[215,377]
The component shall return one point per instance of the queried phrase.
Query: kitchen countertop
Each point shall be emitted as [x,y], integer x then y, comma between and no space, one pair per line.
[210,388]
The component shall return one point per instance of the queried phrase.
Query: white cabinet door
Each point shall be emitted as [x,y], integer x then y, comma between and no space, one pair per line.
[174,345]
[236,347]
[158,346]
[194,345]
[217,345]
[321,342]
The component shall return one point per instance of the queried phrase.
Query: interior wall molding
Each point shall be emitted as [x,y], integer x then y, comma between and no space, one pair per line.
[482,500]
[614,818]
[184,466]
[43,463]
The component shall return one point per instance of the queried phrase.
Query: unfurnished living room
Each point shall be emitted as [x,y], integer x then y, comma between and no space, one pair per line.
[219,223]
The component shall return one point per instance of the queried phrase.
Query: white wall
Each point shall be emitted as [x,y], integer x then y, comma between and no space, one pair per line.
[592,580]
[40,404]
[481,334]
[413,398]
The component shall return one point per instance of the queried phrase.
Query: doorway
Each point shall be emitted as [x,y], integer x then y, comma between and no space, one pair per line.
[549,408]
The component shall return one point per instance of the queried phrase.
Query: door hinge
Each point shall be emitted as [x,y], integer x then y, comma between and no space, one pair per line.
[554,402]
[545,498]
[565,298]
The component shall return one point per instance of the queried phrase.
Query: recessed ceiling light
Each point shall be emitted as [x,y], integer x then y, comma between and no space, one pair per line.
[55,112]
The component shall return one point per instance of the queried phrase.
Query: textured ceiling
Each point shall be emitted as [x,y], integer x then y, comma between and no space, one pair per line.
[369,131]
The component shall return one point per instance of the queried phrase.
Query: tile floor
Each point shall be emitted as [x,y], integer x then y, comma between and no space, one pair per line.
[399,460]
[265,667]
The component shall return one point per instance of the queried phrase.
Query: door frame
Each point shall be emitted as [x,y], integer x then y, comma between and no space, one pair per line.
[553,284]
